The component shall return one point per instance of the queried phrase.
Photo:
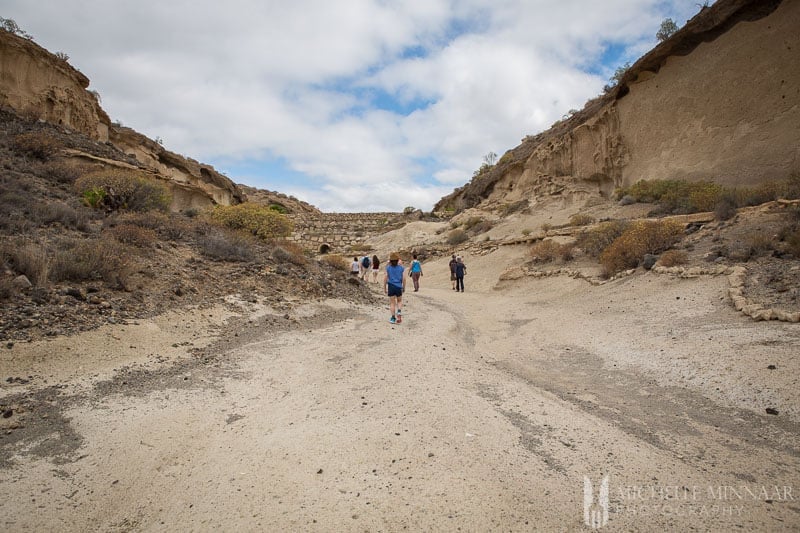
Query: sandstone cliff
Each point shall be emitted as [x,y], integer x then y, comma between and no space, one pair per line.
[720,100]
[38,85]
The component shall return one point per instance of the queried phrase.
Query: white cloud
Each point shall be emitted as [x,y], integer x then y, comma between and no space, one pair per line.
[292,80]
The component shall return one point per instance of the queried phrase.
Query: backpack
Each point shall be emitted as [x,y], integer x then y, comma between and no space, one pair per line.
[365,262]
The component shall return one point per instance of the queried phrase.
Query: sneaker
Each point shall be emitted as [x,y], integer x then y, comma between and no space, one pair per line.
[393,320]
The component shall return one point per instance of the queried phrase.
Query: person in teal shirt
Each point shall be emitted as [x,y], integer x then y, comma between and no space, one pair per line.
[416,272]
[393,285]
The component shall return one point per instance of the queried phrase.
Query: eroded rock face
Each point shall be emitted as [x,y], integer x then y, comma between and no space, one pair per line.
[37,84]
[193,184]
[718,101]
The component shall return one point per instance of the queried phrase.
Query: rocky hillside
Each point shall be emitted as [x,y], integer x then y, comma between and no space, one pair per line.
[39,85]
[717,101]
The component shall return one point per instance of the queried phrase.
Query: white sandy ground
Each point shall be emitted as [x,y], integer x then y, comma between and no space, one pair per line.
[482,411]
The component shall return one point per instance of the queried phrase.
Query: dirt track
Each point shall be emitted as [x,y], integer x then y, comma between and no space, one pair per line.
[482,411]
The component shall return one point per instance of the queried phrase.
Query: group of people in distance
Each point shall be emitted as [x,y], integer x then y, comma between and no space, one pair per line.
[394,281]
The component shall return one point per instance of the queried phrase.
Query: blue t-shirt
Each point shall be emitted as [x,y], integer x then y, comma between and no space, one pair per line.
[395,273]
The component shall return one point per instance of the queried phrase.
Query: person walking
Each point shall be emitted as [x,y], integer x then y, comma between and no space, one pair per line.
[416,271]
[376,264]
[355,267]
[453,271]
[394,283]
[461,271]
[365,264]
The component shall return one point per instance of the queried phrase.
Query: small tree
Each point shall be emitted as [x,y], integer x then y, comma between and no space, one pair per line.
[667,29]
[490,159]
[11,26]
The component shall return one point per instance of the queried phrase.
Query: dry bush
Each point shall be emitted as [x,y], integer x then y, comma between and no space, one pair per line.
[579,219]
[30,259]
[82,260]
[133,235]
[61,172]
[166,225]
[39,145]
[725,209]
[568,252]
[675,196]
[594,241]
[546,227]
[256,219]
[672,258]
[457,236]
[640,238]
[545,251]
[60,213]
[337,261]
[7,288]
[289,252]
[115,189]
[758,243]
[793,242]
[230,246]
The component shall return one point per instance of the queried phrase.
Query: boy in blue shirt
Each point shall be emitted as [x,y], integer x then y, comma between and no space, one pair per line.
[393,285]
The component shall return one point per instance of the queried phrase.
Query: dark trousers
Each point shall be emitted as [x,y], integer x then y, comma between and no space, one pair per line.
[460,283]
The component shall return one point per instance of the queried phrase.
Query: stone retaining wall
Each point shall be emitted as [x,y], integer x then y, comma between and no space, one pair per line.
[338,232]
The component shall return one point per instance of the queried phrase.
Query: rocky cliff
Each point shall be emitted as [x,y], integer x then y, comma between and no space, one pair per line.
[719,100]
[39,85]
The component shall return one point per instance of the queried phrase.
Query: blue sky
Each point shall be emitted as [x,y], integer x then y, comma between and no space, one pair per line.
[354,105]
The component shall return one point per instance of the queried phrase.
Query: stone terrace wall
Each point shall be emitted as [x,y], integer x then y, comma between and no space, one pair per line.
[336,232]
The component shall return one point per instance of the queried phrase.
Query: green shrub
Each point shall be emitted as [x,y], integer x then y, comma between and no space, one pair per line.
[38,145]
[256,219]
[595,240]
[116,189]
[457,236]
[640,238]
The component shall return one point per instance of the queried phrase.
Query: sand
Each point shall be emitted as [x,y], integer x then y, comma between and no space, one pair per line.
[484,410]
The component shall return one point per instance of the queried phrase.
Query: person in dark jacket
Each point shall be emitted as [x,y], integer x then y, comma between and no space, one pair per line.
[461,271]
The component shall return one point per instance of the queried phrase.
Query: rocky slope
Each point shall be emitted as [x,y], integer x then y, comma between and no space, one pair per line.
[39,85]
[719,100]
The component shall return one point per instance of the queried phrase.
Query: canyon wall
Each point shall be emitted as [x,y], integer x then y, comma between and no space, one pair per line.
[719,100]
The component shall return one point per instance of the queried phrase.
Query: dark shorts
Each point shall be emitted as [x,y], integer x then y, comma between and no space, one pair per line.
[394,290]
[452,276]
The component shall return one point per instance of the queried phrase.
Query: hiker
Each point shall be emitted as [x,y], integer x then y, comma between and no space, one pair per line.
[394,283]
[355,267]
[365,264]
[453,271]
[416,272]
[376,264]
[461,271]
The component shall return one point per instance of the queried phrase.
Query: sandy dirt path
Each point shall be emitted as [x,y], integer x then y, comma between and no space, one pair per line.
[486,410]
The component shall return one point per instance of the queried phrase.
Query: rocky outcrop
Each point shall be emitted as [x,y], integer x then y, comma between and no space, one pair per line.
[717,101]
[193,185]
[38,84]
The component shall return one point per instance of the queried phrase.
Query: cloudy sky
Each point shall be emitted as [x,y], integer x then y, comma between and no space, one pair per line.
[351,105]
